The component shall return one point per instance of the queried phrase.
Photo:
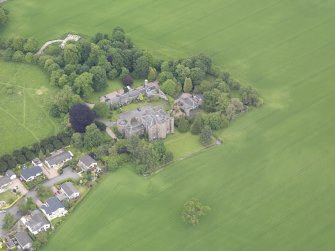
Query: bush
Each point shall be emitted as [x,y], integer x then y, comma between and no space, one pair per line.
[183,124]
[206,136]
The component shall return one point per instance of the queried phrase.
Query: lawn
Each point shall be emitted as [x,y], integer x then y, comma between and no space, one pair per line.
[8,197]
[182,144]
[271,184]
[24,95]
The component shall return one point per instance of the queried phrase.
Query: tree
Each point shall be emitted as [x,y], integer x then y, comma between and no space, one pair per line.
[124,73]
[182,72]
[18,56]
[71,54]
[102,110]
[141,67]
[206,136]
[197,124]
[63,100]
[43,192]
[31,45]
[80,117]
[193,210]
[99,78]
[188,85]
[83,84]
[127,81]
[183,125]
[42,237]
[8,221]
[93,137]
[215,121]
[27,206]
[197,75]
[152,75]
[77,140]
[3,16]
[3,166]
[165,75]
[211,100]
[230,111]
[170,87]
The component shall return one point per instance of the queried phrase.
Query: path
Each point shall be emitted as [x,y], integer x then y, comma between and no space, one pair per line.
[68,173]
[70,37]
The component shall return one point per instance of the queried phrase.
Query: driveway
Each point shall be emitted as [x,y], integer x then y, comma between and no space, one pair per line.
[68,173]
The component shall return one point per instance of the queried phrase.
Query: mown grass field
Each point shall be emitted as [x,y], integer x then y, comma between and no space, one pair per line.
[24,117]
[271,184]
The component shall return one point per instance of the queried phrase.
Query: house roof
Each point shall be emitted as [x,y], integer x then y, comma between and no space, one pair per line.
[4,181]
[87,160]
[23,238]
[10,173]
[51,205]
[37,221]
[58,157]
[31,172]
[69,188]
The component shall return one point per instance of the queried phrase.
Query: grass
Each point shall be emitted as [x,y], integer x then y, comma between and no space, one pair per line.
[8,197]
[24,118]
[270,185]
[182,144]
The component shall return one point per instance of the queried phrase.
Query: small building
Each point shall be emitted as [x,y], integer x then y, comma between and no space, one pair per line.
[4,182]
[37,162]
[69,190]
[24,240]
[36,222]
[58,158]
[87,163]
[188,103]
[32,173]
[121,98]
[10,174]
[53,208]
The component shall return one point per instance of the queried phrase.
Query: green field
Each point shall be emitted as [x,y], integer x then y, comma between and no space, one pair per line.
[271,185]
[24,117]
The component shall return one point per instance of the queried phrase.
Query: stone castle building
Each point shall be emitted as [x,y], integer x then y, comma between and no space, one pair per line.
[152,121]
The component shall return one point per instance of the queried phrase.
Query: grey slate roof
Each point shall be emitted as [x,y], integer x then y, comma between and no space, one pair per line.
[69,188]
[51,205]
[87,160]
[29,172]
[37,221]
[23,238]
[4,181]
[58,158]
[10,173]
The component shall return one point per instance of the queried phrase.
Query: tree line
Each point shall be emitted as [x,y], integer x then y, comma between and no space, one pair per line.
[40,150]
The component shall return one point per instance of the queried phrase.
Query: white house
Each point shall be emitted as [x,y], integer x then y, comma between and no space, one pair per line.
[37,162]
[53,208]
[32,173]
[58,158]
[70,191]
[87,163]
[36,222]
